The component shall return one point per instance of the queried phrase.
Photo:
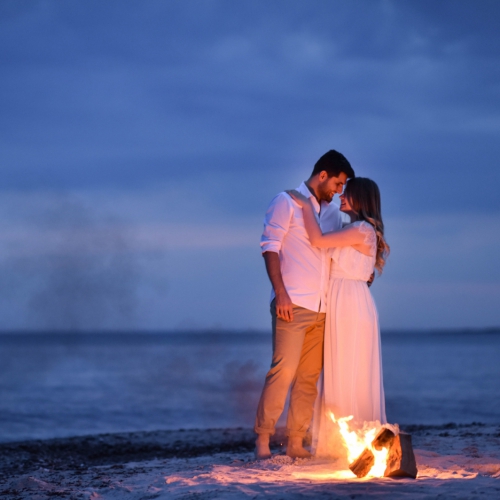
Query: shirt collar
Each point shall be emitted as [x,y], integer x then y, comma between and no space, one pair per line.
[303,189]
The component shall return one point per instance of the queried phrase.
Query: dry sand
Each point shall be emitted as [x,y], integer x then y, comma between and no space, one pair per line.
[454,461]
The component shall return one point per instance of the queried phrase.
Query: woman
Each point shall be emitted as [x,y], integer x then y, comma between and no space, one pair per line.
[352,381]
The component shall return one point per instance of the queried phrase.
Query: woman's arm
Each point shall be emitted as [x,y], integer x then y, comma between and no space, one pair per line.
[348,236]
[342,238]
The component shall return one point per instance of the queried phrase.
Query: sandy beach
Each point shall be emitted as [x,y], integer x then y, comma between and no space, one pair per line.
[454,461]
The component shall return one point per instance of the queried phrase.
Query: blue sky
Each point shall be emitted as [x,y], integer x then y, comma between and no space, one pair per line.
[141,143]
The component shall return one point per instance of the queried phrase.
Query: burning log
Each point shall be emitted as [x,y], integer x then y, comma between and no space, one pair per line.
[362,465]
[401,459]
[386,454]
[383,439]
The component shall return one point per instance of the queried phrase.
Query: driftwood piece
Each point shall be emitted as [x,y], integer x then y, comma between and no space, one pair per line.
[383,439]
[362,465]
[401,459]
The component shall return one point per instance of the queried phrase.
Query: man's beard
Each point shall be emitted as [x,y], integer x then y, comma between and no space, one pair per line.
[324,196]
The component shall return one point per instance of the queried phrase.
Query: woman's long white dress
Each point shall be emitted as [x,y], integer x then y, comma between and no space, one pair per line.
[352,381]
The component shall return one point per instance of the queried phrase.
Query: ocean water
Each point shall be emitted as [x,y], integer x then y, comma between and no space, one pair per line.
[55,385]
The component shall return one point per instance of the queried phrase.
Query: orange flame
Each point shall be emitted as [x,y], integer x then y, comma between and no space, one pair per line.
[356,441]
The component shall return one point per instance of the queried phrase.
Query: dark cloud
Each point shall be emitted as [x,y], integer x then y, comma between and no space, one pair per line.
[92,89]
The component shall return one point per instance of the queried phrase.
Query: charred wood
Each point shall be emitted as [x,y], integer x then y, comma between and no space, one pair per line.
[383,439]
[362,465]
[401,459]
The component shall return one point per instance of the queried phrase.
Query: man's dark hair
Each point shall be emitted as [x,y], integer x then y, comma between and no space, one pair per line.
[333,163]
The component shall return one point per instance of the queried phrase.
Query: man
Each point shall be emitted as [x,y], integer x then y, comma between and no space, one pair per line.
[299,276]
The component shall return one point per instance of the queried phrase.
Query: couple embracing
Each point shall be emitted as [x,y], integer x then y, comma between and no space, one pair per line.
[324,321]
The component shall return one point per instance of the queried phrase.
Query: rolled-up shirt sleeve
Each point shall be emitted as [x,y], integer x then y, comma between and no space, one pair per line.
[276,223]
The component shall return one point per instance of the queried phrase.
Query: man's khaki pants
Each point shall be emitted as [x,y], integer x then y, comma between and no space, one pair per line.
[297,361]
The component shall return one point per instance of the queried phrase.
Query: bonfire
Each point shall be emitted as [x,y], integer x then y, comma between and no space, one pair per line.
[377,451]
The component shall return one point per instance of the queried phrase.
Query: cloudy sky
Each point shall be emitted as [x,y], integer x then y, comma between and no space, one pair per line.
[141,142]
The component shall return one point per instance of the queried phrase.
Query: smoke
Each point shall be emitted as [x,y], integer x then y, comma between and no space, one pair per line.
[149,259]
[75,272]
[243,382]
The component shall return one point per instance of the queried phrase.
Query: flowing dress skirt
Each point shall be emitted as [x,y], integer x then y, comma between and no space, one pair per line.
[352,382]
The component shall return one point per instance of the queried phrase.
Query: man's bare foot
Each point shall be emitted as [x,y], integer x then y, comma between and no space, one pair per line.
[295,449]
[262,450]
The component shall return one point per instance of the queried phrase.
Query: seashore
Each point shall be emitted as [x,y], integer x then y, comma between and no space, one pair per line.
[454,461]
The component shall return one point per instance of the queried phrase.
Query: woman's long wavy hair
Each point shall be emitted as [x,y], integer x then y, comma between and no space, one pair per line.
[364,196]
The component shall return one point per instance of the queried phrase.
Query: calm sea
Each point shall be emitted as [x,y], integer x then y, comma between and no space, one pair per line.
[68,384]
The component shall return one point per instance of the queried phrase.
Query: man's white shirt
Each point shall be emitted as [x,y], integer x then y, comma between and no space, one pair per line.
[305,269]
